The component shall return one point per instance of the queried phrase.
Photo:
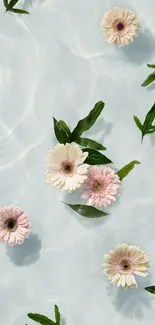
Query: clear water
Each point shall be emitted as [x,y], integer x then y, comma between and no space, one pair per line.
[56,62]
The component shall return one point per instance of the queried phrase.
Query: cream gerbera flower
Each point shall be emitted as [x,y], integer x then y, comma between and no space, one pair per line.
[123,263]
[65,168]
[120,26]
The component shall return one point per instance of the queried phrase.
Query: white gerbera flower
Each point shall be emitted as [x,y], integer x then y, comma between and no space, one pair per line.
[123,263]
[120,26]
[65,168]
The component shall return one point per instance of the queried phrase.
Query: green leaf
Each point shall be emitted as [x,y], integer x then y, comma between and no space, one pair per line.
[5,3]
[151,289]
[126,169]
[150,131]
[149,80]
[95,157]
[85,142]
[57,315]
[138,123]
[41,319]
[87,211]
[148,121]
[65,127]
[19,11]
[86,123]
[11,4]
[151,66]
[60,134]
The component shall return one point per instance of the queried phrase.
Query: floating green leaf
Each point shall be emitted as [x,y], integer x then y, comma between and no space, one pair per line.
[86,123]
[95,157]
[126,169]
[85,142]
[151,289]
[11,4]
[87,211]
[151,66]
[5,3]
[19,11]
[147,126]
[149,80]
[138,123]
[57,315]
[60,134]
[41,319]
[65,127]
[149,120]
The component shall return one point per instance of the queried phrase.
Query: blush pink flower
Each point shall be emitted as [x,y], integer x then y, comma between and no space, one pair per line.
[14,225]
[123,263]
[101,186]
[120,26]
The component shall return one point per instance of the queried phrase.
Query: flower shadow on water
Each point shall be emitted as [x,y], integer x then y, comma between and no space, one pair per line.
[132,302]
[142,49]
[27,253]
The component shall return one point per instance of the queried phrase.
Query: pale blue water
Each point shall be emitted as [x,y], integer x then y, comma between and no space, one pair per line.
[56,62]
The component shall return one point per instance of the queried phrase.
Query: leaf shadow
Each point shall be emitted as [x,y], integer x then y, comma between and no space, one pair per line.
[151,87]
[132,302]
[141,49]
[63,321]
[152,139]
[101,128]
[27,253]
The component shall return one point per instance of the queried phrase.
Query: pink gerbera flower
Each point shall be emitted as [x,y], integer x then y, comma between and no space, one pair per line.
[123,263]
[14,225]
[101,186]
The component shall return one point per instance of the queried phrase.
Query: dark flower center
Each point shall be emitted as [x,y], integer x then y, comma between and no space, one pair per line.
[67,167]
[120,26]
[125,265]
[98,186]
[11,224]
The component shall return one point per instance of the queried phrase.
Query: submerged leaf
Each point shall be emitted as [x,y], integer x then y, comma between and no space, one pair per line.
[126,169]
[151,289]
[88,121]
[41,319]
[96,158]
[149,80]
[60,134]
[86,142]
[57,315]
[151,66]
[20,11]
[87,211]
[138,123]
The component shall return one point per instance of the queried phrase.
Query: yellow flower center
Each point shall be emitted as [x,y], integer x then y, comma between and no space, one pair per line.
[11,224]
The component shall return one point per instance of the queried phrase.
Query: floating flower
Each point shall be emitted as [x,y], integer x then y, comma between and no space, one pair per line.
[120,26]
[65,168]
[123,263]
[14,225]
[101,186]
